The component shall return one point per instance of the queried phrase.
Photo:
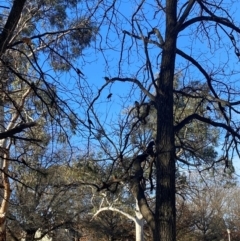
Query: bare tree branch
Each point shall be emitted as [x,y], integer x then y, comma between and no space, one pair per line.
[18,129]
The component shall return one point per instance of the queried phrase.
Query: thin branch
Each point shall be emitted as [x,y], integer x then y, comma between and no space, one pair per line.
[135,81]
[208,79]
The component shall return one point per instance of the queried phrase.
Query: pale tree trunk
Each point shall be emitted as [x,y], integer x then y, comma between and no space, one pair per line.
[5,37]
[138,219]
[6,194]
[5,145]
[4,183]
[139,222]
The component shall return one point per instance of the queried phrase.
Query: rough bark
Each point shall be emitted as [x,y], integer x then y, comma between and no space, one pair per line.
[165,214]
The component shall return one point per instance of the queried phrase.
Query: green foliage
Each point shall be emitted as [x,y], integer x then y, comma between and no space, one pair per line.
[197,141]
[45,202]
[66,36]
[51,11]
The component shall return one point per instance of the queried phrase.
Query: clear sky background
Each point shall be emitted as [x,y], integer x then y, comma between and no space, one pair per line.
[96,64]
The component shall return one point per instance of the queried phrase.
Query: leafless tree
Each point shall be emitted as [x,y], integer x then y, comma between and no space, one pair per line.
[196,40]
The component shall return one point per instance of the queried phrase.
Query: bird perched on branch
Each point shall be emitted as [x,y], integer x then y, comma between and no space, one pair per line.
[26,40]
[79,72]
[90,122]
[208,108]
[137,105]
[109,96]
[150,150]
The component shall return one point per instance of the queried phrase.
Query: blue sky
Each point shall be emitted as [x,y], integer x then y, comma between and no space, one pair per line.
[96,64]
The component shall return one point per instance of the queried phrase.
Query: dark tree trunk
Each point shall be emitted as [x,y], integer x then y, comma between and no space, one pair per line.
[165,215]
[139,194]
[11,24]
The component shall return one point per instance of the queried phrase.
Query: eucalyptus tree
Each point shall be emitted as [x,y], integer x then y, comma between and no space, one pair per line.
[47,203]
[39,41]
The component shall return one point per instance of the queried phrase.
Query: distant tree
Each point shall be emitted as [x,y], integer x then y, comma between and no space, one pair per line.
[111,226]
[201,214]
[46,203]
